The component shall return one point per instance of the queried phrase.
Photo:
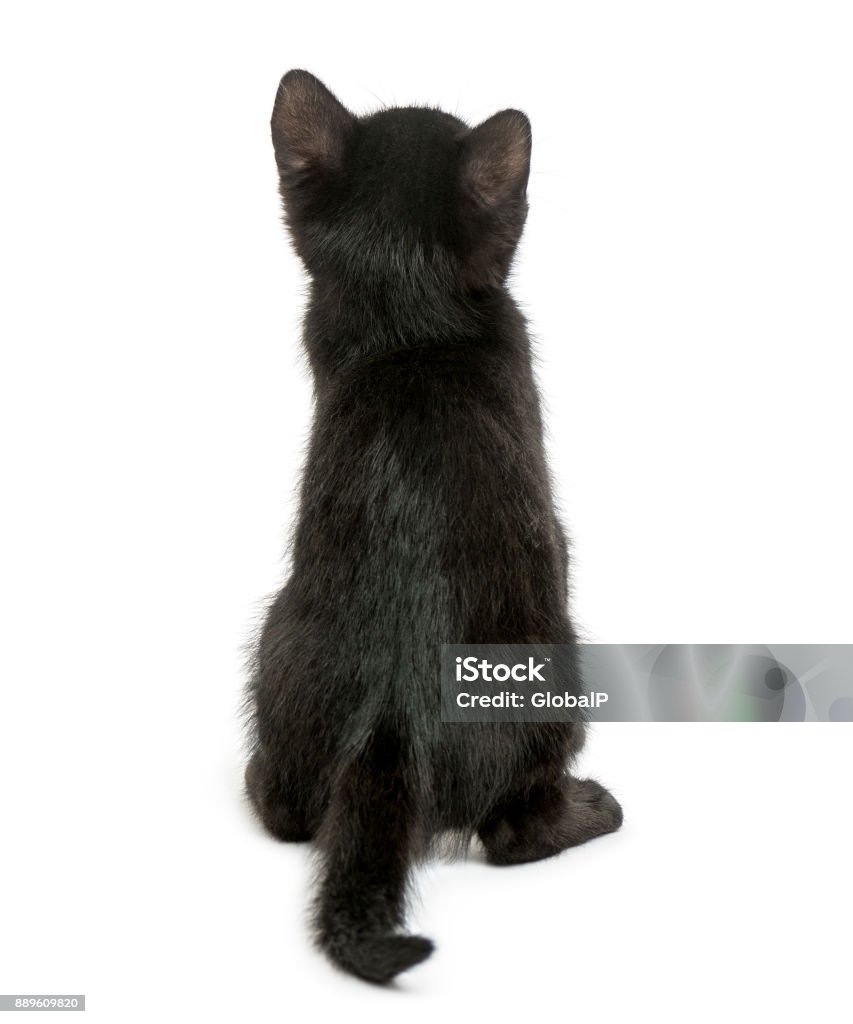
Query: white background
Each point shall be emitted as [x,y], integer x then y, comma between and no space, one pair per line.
[687,270]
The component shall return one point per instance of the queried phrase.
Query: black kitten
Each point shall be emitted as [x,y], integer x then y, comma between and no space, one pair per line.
[426,518]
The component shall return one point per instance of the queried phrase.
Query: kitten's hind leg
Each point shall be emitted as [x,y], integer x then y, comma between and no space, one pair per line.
[549,818]
[276,804]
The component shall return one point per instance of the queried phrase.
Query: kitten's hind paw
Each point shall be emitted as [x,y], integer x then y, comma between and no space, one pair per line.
[271,805]
[549,820]
[592,798]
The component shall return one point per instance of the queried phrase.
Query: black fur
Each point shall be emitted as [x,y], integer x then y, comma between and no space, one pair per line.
[426,518]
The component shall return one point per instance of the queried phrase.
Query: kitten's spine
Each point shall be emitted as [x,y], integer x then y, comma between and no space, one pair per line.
[367,840]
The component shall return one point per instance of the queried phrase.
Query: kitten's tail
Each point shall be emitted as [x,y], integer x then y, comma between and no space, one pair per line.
[366,842]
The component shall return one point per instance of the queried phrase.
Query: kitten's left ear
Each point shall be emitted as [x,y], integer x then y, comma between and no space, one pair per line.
[496,159]
[310,126]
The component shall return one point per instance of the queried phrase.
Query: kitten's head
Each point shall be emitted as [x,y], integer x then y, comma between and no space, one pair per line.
[401,194]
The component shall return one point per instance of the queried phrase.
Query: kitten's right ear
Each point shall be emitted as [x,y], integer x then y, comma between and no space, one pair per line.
[310,126]
[495,167]
[496,159]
